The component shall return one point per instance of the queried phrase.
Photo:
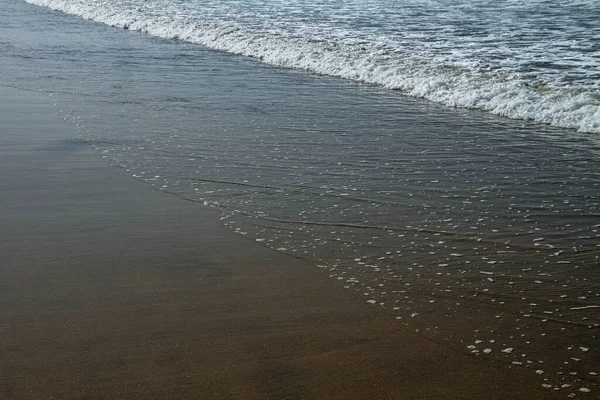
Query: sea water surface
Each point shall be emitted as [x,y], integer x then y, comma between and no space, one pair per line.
[468,228]
[534,59]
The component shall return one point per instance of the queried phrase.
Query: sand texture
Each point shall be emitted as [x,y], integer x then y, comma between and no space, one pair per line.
[112,290]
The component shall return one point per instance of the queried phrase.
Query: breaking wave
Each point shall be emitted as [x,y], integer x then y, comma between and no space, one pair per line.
[365,54]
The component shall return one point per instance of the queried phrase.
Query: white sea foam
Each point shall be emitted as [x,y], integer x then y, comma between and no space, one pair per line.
[487,72]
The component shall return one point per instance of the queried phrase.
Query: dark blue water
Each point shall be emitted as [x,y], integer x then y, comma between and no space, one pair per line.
[535,60]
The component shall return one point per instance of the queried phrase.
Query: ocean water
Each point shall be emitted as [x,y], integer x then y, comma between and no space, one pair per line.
[466,227]
[537,59]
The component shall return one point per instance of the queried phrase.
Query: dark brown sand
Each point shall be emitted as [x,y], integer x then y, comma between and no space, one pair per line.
[111,290]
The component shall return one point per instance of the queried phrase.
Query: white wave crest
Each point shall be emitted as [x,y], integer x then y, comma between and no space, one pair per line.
[374,63]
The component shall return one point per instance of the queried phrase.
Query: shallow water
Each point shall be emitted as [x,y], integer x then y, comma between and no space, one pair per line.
[470,229]
[535,60]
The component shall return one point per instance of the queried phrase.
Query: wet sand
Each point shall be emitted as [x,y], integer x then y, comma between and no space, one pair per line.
[112,290]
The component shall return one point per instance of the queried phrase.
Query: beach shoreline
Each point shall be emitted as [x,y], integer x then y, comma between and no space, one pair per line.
[113,290]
